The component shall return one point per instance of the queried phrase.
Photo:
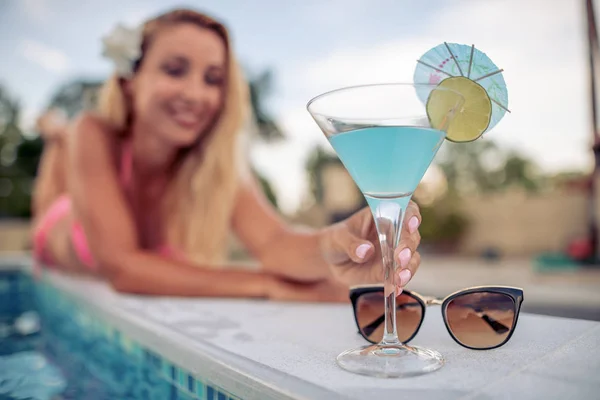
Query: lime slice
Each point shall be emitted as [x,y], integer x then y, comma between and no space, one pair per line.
[466,123]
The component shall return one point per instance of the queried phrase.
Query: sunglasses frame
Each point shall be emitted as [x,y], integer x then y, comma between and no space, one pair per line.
[515,293]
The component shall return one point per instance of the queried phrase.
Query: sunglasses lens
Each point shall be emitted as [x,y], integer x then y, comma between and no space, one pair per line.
[369,314]
[481,320]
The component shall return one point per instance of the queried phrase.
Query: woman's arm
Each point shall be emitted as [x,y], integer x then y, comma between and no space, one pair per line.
[347,251]
[101,207]
[50,182]
[280,248]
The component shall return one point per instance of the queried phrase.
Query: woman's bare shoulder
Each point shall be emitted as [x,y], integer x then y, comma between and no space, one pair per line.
[91,122]
[91,137]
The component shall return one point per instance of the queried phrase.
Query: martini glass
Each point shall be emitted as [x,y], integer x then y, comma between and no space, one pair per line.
[386,140]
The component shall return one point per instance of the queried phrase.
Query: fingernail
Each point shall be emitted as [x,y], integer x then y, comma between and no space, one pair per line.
[361,251]
[413,224]
[404,277]
[404,257]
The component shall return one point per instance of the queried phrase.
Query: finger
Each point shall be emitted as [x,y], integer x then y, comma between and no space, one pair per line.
[361,222]
[357,249]
[415,263]
[405,275]
[407,247]
[412,217]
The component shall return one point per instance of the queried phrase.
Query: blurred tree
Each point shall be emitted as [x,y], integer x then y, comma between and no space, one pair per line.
[20,154]
[521,172]
[318,159]
[9,118]
[267,189]
[466,167]
[15,177]
[28,155]
[315,166]
[75,96]
[260,87]
[263,123]
[442,226]
[483,167]
[473,168]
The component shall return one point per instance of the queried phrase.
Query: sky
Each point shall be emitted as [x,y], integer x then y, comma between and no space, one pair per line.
[316,45]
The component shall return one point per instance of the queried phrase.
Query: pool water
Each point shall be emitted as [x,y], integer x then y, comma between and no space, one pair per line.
[51,347]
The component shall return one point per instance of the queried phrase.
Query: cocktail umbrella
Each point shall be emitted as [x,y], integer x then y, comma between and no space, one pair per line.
[453,60]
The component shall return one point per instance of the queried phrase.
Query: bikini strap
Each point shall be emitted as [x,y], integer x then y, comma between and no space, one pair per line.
[126,167]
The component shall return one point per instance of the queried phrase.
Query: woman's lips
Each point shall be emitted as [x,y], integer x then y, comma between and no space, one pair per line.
[186,119]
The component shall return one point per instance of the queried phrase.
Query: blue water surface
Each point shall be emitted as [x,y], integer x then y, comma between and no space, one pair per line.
[51,348]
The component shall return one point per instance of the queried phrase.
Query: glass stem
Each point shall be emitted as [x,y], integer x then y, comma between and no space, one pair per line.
[389,215]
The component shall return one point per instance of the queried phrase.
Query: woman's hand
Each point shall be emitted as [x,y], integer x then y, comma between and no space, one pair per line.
[52,125]
[352,250]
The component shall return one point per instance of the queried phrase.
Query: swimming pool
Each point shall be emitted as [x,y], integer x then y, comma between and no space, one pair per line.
[52,347]
[95,343]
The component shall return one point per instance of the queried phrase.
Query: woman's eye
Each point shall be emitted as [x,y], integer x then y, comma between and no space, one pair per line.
[175,70]
[214,80]
[214,77]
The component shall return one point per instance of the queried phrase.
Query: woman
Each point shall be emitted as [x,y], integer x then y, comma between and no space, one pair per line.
[146,191]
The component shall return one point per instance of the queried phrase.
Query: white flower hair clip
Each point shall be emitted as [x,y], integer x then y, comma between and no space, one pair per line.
[123,46]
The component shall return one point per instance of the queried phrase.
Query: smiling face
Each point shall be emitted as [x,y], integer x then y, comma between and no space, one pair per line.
[178,90]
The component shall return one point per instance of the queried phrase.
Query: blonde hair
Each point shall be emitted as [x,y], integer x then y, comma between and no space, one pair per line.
[200,199]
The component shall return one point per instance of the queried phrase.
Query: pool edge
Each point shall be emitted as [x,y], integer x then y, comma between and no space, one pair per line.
[238,375]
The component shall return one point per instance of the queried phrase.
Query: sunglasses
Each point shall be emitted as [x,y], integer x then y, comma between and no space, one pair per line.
[478,318]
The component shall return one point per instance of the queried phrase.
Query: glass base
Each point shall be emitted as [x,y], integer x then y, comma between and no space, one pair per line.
[390,361]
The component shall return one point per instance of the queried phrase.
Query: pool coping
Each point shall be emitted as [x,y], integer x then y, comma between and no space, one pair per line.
[238,375]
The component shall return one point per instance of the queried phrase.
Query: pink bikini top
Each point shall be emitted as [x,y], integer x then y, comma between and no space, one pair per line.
[126,173]
[78,235]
